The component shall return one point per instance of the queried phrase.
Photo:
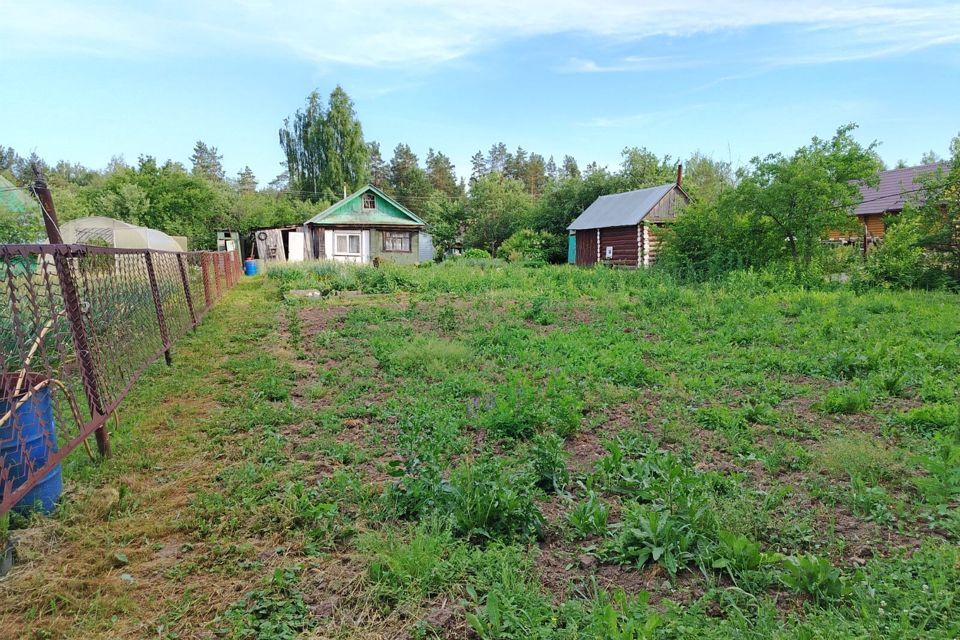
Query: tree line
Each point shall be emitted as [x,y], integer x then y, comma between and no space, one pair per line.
[775,210]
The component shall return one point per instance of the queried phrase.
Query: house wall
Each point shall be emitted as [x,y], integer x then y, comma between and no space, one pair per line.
[874,225]
[652,232]
[623,241]
[586,247]
[668,207]
[399,257]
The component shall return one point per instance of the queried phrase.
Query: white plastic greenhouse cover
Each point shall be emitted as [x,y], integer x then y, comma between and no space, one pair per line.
[100,230]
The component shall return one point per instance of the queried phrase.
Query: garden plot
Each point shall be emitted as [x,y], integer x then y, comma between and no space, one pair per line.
[500,452]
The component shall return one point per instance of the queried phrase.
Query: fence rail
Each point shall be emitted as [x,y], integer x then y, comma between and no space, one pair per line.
[79,325]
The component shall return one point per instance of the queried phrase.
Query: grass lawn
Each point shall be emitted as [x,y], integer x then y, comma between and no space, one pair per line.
[479,450]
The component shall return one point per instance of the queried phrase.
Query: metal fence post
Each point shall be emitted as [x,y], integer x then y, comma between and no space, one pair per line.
[218,274]
[73,310]
[207,286]
[158,304]
[182,263]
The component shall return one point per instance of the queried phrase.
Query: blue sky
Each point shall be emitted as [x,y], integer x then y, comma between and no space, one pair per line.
[86,80]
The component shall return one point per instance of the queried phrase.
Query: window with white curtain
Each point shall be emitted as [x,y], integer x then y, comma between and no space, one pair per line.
[346,244]
[396,241]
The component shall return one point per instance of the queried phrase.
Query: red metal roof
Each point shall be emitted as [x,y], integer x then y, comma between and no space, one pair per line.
[896,187]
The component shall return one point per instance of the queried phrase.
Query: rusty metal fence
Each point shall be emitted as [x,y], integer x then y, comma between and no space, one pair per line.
[79,324]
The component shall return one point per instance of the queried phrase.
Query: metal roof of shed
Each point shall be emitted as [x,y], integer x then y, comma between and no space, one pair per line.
[620,209]
[896,186]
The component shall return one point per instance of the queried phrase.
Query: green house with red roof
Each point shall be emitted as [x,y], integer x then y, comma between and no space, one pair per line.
[368,225]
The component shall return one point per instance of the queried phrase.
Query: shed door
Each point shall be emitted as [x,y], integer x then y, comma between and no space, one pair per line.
[587,246]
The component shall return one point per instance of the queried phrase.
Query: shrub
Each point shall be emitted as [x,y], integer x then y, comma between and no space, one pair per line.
[813,575]
[548,462]
[858,456]
[931,417]
[846,400]
[489,503]
[476,254]
[525,244]
[521,408]
[590,517]
[899,261]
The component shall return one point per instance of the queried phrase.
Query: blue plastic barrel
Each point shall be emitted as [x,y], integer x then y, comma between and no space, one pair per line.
[250,267]
[27,439]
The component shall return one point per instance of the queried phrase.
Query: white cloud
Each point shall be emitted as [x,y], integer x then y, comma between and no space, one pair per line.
[411,32]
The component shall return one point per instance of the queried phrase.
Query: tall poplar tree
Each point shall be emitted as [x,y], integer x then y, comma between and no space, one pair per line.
[324,148]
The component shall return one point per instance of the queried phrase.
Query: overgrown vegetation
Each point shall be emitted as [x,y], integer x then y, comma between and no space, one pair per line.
[512,451]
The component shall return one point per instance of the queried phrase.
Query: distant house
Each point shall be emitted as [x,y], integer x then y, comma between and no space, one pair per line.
[365,226]
[895,189]
[623,229]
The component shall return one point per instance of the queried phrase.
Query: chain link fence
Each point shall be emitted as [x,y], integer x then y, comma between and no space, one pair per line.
[79,324]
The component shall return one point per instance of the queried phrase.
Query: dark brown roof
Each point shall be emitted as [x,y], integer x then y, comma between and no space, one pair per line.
[896,187]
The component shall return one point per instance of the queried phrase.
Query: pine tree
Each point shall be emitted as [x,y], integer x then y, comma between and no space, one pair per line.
[442,173]
[478,164]
[246,181]
[552,172]
[408,181]
[497,158]
[570,168]
[207,162]
[376,167]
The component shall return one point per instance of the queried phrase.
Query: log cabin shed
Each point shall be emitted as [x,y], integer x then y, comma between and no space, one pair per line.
[623,229]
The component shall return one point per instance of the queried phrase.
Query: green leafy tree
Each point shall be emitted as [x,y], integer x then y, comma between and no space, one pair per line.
[324,148]
[935,213]
[346,156]
[705,178]
[807,194]
[496,208]
[641,168]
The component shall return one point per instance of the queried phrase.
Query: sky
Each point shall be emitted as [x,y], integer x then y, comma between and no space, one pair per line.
[85,81]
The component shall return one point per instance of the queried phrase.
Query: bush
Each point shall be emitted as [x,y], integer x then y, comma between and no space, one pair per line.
[899,261]
[525,245]
[477,254]
[489,503]
[846,400]
[590,517]
[548,462]
[814,576]
[931,417]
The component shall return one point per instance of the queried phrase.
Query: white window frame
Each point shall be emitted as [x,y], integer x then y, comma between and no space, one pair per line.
[348,234]
[372,199]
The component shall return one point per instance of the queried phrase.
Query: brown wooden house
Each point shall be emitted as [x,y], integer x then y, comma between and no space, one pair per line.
[895,189]
[623,229]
